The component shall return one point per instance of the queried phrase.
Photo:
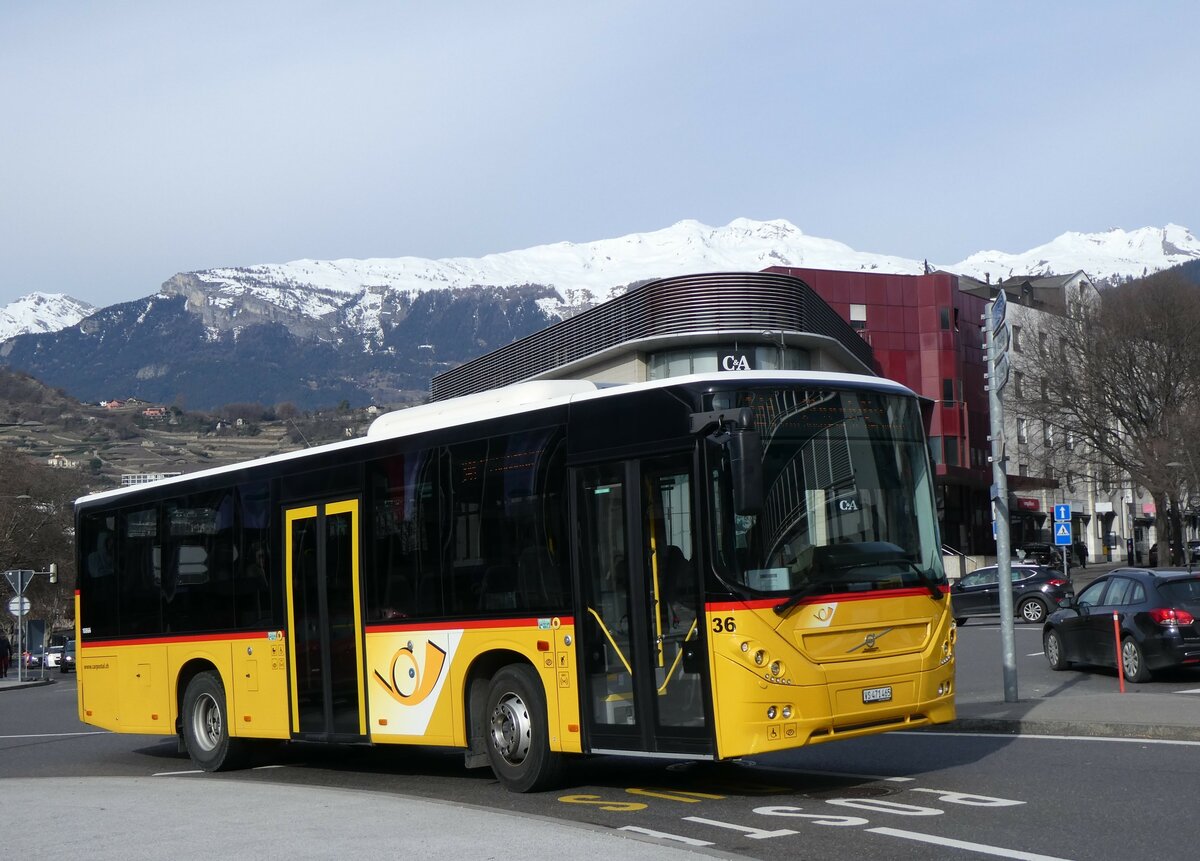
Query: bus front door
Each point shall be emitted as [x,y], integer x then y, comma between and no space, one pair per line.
[643,658]
[325,623]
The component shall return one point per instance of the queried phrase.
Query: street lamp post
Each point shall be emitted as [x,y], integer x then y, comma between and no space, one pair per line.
[19,578]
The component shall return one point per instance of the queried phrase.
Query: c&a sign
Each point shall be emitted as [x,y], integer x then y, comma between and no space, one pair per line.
[736,362]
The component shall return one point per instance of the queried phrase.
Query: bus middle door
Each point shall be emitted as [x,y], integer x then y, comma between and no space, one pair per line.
[641,623]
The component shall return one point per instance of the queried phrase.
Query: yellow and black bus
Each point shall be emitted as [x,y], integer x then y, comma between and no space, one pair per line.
[700,567]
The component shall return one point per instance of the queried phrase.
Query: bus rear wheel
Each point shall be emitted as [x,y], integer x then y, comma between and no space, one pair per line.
[518,738]
[206,726]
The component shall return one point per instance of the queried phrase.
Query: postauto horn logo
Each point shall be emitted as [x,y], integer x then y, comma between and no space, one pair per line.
[412,680]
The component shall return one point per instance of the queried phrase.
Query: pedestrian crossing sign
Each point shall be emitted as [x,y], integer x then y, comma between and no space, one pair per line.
[1062,533]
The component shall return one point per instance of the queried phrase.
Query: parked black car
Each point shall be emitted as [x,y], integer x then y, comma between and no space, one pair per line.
[1037,591]
[1040,553]
[67,664]
[1153,556]
[1157,613]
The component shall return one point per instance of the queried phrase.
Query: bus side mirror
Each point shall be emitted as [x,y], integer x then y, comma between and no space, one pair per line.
[745,466]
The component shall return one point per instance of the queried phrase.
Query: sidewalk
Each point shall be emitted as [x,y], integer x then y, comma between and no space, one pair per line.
[1136,714]
[116,819]
[1139,713]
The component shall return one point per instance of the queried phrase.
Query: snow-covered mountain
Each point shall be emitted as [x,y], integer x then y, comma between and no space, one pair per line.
[41,312]
[608,265]
[1110,257]
[315,333]
[364,296]
[581,273]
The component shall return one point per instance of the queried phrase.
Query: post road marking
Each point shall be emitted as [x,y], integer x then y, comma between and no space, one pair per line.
[983,848]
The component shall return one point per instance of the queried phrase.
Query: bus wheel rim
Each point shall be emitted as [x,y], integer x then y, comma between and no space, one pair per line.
[512,729]
[206,721]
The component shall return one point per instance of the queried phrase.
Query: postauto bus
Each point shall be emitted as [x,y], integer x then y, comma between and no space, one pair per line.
[702,567]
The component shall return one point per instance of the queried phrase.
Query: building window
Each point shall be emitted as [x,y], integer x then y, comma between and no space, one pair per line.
[1022,430]
[858,316]
[950,450]
[948,391]
[935,450]
[1022,469]
[1019,385]
[944,314]
[1016,338]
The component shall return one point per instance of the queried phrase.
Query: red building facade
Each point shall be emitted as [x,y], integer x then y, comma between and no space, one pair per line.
[928,335]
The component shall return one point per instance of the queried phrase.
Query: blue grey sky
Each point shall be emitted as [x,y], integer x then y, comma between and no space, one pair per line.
[141,139]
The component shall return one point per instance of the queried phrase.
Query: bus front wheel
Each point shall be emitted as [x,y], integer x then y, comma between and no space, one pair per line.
[518,738]
[206,726]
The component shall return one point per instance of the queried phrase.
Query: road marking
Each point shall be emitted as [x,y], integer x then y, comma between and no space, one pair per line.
[663,835]
[1192,691]
[174,773]
[963,844]
[859,775]
[56,734]
[752,833]
[1009,738]
[1035,654]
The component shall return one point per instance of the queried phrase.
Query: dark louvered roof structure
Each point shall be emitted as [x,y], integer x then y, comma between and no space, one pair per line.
[758,304]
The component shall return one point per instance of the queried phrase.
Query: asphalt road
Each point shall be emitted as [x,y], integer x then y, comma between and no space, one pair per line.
[904,795]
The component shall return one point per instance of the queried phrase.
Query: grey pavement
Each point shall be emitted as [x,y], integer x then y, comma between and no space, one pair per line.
[190,817]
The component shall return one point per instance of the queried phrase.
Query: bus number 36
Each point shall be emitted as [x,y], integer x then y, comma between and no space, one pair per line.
[724,624]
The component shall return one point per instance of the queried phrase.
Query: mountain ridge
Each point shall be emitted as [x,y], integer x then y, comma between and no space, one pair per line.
[590,272]
[313,333]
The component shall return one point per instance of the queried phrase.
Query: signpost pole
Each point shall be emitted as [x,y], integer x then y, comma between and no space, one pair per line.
[19,578]
[994,323]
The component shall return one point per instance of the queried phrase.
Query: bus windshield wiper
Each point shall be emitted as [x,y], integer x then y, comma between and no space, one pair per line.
[796,597]
[811,588]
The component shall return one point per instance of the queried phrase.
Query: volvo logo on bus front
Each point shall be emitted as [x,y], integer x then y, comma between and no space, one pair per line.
[868,643]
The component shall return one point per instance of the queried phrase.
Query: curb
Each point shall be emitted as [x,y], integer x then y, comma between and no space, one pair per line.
[1091,729]
[28,683]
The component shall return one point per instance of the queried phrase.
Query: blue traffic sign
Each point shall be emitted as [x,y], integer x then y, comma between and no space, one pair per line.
[999,307]
[1062,534]
[1061,513]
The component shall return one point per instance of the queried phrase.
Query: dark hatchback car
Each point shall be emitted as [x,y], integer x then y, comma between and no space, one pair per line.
[1158,614]
[1037,591]
[67,664]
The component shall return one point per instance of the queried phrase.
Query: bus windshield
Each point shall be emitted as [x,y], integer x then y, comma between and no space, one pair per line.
[848,500]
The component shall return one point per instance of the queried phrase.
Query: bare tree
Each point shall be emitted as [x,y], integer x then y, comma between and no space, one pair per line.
[1118,381]
[36,520]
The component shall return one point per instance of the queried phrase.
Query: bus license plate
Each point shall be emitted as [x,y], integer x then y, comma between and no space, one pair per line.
[877,695]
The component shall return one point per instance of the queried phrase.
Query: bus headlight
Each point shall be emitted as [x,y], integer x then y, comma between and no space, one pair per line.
[787,712]
[772,711]
[760,658]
